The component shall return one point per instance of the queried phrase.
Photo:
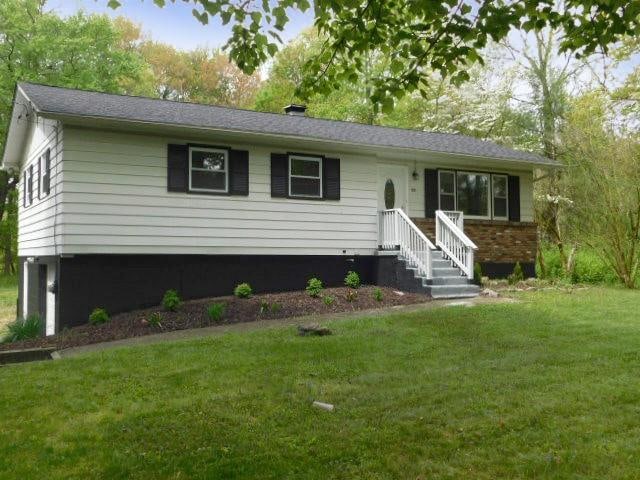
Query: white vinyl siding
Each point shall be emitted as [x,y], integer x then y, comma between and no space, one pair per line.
[116,201]
[37,231]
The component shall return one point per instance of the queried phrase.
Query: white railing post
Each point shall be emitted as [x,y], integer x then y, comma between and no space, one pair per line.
[453,242]
[414,246]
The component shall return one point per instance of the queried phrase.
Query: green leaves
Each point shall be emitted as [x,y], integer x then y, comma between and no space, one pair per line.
[431,34]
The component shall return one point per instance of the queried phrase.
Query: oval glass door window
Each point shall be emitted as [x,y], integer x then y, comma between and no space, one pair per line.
[389,194]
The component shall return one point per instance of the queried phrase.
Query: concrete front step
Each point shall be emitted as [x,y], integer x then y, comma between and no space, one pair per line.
[449,280]
[440,263]
[453,291]
[454,296]
[446,272]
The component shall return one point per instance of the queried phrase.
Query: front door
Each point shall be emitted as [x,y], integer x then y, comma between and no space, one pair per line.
[392,187]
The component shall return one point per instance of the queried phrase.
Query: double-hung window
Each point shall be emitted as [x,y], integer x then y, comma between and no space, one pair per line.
[208,170]
[447,187]
[305,176]
[477,195]
[45,180]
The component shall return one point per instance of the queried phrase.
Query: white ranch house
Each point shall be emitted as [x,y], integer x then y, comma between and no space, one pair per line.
[122,198]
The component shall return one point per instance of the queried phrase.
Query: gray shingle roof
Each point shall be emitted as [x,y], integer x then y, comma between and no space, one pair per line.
[64,101]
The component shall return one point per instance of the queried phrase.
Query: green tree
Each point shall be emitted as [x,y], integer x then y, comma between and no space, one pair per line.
[548,74]
[79,51]
[605,184]
[418,37]
[348,101]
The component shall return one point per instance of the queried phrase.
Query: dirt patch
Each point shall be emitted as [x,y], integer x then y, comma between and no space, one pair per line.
[193,314]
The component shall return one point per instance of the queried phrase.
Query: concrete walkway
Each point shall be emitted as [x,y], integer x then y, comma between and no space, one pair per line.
[261,324]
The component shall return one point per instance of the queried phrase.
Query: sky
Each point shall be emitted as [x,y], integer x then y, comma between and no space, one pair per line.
[174,23]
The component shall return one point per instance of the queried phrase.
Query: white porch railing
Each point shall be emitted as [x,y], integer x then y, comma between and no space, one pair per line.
[398,231]
[454,243]
[455,217]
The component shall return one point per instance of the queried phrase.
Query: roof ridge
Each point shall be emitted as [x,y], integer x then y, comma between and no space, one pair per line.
[84,102]
[226,107]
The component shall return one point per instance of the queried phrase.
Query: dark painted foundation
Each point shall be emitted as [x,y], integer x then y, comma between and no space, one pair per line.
[503,270]
[120,283]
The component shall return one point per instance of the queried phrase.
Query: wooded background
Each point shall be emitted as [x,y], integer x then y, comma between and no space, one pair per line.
[527,85]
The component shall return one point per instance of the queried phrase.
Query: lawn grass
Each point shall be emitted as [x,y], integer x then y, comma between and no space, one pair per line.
[8,297]
[547,388]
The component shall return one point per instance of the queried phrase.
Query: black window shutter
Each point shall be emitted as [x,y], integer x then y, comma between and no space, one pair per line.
[177,168]
[430,193]
[514,198]
[46,186]
[279,177]
[30,181]
[24,188]
[238,172]
[331,179]
[39,176]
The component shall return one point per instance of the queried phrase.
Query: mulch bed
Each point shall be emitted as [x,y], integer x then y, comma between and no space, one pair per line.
[193,314]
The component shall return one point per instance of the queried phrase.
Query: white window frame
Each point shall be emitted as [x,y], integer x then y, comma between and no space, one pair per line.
[506,197]
[319,177]
[455,188]
[225,171]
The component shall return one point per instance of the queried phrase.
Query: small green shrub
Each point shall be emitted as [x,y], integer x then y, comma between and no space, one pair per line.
[22,329]
[314,287]
[266,307]
[377,294]
[517,275]
[275,307]
[243,290]
[328,300]
[216,311]
[171,300]
[352,295]
[477,274]
[155,319]
[352,280]
[98,316]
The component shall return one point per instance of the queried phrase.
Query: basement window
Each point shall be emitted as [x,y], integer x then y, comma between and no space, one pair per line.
[305,176]
[208,170]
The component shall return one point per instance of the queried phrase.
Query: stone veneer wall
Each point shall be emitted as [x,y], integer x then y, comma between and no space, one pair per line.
[500,243]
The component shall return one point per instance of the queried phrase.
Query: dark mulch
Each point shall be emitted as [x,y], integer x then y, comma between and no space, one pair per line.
[193,314]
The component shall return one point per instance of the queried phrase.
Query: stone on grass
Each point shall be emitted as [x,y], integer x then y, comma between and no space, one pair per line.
[487,292]
[323,406]
[313,329]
